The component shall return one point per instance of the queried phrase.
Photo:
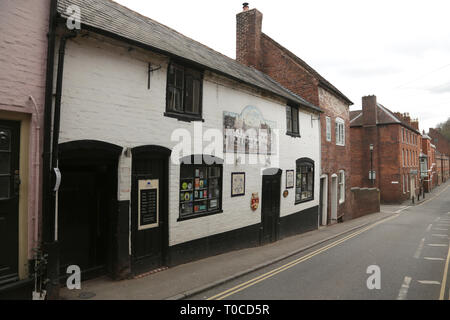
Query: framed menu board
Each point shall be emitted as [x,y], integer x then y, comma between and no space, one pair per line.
[148,208]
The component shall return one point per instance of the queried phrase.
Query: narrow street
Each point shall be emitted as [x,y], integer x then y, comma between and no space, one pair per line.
[411,249]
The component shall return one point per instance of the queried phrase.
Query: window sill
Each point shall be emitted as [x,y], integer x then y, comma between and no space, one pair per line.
[183,117]
[303,201]
[340,145]
[293,134]
[199,215]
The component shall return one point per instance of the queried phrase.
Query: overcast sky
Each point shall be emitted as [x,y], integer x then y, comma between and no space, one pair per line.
[396,49]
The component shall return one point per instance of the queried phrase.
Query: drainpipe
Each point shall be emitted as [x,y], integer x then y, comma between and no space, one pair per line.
[37,123]
[49,158]
[47,216]
[53,262]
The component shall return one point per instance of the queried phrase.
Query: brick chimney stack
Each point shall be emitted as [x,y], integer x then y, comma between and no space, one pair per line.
[369,108]
[248,37]
[407,118]
[415,124]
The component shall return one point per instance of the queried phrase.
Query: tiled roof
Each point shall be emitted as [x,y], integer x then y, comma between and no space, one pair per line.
[384,116]
[117,20]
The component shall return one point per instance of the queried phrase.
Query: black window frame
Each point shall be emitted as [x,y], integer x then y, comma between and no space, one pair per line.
[301,163]
[290,121]
[198,162]
[188,72]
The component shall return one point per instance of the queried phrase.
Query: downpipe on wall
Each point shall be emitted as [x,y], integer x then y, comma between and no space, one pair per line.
[51,212]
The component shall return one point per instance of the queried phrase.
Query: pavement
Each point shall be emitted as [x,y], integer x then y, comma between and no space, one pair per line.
[192,279]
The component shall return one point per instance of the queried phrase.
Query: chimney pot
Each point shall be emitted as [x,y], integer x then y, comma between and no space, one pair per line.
[245,4]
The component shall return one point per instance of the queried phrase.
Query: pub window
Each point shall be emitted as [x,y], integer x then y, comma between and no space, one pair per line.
[292,121]
[184,93]
[200,190]
[304,190]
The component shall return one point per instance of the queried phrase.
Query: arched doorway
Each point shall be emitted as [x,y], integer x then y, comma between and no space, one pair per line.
[87,200]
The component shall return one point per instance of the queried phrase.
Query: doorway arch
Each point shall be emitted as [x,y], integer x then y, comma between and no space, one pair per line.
[87,201]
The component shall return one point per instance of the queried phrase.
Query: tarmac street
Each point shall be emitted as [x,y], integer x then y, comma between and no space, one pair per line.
[399,253]
[404,256]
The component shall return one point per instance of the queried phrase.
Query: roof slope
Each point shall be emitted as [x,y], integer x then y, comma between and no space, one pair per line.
[384,116]
[324,82]
[115,19]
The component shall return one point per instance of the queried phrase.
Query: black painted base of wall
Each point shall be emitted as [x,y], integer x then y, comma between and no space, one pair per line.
[20,290]
[248,237]
[298,223]
[214,245]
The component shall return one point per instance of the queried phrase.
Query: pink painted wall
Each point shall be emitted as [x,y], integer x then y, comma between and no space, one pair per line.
[23,57]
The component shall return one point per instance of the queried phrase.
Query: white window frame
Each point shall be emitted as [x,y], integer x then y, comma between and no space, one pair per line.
[340,132]
[328,128]
[341,182]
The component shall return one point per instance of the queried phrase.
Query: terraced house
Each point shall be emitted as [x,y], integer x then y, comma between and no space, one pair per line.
[256,49]
[385,148]
[127,89]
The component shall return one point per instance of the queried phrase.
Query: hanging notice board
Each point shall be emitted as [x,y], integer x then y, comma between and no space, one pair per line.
[148,204]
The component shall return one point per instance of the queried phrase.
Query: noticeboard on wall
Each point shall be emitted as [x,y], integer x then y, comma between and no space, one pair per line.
[148,208]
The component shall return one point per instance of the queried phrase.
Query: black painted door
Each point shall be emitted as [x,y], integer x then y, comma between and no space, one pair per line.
[270,207]
[149,240]
[9,200]
[85,202]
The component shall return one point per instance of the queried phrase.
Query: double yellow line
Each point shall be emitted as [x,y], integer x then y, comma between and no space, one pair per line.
[293,263]
[444,277]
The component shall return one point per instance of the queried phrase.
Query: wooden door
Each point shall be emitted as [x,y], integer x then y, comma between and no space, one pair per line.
[149,209]
[9,200]
[270,207]
[85,201]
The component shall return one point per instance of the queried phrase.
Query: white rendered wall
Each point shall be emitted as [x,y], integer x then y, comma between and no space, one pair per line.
[105,97]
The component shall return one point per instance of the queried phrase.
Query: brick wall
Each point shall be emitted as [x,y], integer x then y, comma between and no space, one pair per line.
[364,201]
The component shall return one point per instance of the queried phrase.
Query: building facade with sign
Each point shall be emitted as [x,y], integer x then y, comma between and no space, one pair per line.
[387,144]
[256,49]
[170,151]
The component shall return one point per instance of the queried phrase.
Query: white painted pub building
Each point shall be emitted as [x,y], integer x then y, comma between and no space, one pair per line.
[170,151]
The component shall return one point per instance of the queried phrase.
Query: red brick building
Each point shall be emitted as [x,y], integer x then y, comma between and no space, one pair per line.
[442,143]
[388,145]
[258,50]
